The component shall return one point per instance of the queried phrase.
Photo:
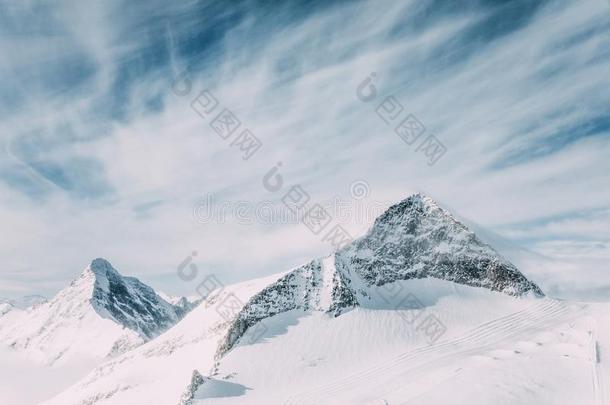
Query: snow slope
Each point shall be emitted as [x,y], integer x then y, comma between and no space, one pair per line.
[496,349]
[26,381]
[159,371]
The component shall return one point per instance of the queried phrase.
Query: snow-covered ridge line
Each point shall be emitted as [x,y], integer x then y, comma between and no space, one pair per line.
[415,238]
[302,288]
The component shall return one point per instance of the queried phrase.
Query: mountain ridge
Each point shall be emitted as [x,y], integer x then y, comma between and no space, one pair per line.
[403,246]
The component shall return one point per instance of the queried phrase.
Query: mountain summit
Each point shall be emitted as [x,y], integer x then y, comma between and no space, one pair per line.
[130,302]
[416,238]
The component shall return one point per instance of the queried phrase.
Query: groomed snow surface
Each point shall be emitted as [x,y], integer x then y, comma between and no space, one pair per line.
[495,349]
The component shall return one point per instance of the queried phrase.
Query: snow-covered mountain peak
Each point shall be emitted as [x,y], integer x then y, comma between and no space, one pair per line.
[99,308]
[128,301]
[413,239]
[417,209]
[102,271]
[416,238]
[102,266]
[422,199]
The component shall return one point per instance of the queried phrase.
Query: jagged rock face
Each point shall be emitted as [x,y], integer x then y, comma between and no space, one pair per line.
[314,286]
[130,302]
[416,238]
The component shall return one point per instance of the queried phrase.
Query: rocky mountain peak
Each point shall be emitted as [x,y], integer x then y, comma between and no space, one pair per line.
[416,238]
[415,212]
[102,267]
[102,274]
[130,302]
[83,311]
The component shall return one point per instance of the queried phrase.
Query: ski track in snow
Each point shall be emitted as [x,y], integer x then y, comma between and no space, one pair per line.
[389,376]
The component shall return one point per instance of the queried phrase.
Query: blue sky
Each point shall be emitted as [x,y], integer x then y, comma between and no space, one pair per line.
[102,158]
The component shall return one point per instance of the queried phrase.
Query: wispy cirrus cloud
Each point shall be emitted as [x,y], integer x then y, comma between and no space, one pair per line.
[101,159]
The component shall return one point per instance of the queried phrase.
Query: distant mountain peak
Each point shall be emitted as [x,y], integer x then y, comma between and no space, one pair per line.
[101,272]
[5,307]
[129,302]
[100,304]
[25,302]
[102,266]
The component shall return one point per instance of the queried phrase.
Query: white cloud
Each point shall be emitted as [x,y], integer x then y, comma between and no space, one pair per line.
[294,86]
